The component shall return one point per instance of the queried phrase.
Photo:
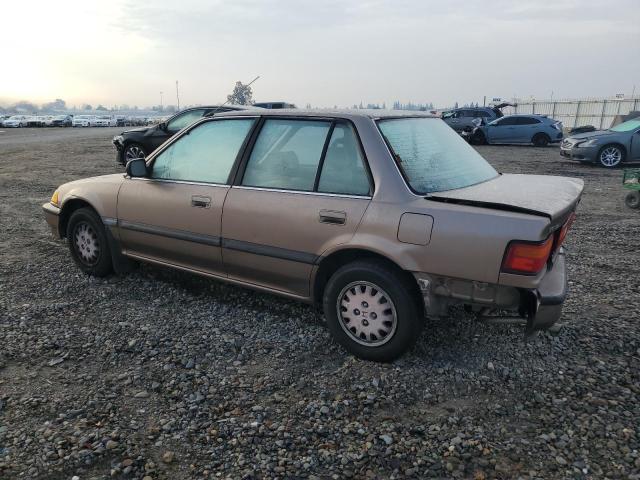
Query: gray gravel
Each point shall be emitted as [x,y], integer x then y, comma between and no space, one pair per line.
[163,375]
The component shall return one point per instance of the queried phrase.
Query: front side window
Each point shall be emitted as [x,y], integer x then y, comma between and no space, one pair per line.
[627,126]
[432,157]
[184,119]
[205,154]
[343,169]
[286,154]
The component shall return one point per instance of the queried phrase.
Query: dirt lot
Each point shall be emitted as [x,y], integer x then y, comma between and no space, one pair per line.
[164,375]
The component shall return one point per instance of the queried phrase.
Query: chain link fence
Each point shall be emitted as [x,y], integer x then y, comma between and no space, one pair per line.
[574,113]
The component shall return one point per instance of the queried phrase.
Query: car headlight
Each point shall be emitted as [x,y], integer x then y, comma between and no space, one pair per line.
[589,143]
[118,139]
[54,199]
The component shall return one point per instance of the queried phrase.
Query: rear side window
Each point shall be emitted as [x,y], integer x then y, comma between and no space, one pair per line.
[205,154]
[526,121]
[432,157]
[343,169]
[187,118]
[287,154]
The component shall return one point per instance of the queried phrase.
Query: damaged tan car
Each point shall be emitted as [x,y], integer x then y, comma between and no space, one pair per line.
[377,217]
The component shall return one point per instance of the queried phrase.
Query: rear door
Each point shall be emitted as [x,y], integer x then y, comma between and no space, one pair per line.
[526,128]
[304,187]
[174,216]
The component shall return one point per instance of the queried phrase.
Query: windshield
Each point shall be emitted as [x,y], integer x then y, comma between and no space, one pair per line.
[627,126]
[432,157]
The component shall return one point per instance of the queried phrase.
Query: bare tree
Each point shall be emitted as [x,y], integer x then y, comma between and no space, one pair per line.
[241,95]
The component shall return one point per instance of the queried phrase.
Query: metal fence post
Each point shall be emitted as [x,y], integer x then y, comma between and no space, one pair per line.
[575,120]
[553,109]
[604,106]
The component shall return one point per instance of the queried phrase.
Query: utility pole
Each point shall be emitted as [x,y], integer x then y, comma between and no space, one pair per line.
[177,95]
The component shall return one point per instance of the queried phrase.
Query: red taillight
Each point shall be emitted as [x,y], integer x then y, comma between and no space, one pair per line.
[564,230]
[526,257]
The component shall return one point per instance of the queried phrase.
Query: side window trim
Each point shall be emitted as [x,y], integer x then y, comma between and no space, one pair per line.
[239,170]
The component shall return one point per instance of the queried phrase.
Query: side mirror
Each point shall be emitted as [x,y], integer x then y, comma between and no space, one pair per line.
[137,168]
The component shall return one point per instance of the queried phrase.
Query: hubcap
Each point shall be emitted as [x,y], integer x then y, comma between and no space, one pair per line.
[133,152]
[611,156]
[86,243]
[367,314]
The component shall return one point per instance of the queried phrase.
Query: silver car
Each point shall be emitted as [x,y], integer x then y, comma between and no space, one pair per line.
[609,148]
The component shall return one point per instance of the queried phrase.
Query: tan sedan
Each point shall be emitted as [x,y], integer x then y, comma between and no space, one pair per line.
[378,217]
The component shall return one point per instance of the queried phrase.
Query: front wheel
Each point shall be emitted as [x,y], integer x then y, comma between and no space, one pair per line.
[610,156]
[373,310]
[632,200]
[132,151]
[88,243]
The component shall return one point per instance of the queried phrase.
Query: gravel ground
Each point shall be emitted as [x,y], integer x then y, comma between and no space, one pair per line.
[163,375]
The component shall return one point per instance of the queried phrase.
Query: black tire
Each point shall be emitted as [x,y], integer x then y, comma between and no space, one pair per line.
[88,243]
[131,151]
[478,138]
[383,281]
[540,140]
[611,156]
[632,200]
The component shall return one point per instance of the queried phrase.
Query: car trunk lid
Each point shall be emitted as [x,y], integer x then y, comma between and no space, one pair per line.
[551,196]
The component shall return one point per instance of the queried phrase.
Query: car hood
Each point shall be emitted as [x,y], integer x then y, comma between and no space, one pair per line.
[589,135]
[550,196]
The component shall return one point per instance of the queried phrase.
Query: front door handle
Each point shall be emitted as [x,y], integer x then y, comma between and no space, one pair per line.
[199,201]
[333,217]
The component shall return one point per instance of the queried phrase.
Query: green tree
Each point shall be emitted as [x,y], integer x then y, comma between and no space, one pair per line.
[241,95]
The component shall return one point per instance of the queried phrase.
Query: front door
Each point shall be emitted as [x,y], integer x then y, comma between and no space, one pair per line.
[174,216]
[502,130]
[635,146]
[304,189]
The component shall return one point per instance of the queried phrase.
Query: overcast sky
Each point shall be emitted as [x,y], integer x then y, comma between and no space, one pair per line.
[322,52]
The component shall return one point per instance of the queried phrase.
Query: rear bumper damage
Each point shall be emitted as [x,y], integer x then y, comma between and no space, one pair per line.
[536,308]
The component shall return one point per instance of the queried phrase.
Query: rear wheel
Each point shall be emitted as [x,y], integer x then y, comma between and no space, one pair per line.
[373,310]
[88,243]
[540,140]
[632,200]
[610,156]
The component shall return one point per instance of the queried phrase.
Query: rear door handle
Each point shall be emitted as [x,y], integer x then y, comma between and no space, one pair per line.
[333,217]
[199,201]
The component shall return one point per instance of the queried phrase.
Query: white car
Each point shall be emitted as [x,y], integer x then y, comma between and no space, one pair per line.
[106,121]
[84,121]
[46,120]
[16,121]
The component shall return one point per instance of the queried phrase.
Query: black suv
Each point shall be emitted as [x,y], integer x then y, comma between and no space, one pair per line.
[140,142]
[461,119]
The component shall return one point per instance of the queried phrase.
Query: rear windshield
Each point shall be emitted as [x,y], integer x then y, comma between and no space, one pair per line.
[433,157]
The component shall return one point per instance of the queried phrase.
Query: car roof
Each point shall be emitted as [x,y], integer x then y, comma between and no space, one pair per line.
[337,113]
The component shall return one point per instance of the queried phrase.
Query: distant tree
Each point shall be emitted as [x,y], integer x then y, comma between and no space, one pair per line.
[456,105]
[241,95]
[24,106]
[384,105]
[57,104]
[308,106]
[101,108]
[124,106]
[86,106]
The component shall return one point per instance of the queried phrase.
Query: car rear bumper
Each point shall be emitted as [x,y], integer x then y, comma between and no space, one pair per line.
[550,296]
[52,216]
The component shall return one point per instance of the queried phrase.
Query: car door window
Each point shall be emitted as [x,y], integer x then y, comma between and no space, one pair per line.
[286,154]
[182,120]
[343,169]
[205,154]
[526,121]
[506,121]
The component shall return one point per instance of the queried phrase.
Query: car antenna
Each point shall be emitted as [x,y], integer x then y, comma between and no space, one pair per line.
[213,112]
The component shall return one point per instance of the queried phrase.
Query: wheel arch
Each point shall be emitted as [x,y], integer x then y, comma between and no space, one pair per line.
[67,210]
[614,144]
[329,264]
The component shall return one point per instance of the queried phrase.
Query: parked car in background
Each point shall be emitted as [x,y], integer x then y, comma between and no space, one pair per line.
[461,119]
[62,121]
[16,121]
[274,105]
[375,216]
[106,121]
[609,148]
[538,130]
[140,142]
[35,121]
[84,120]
